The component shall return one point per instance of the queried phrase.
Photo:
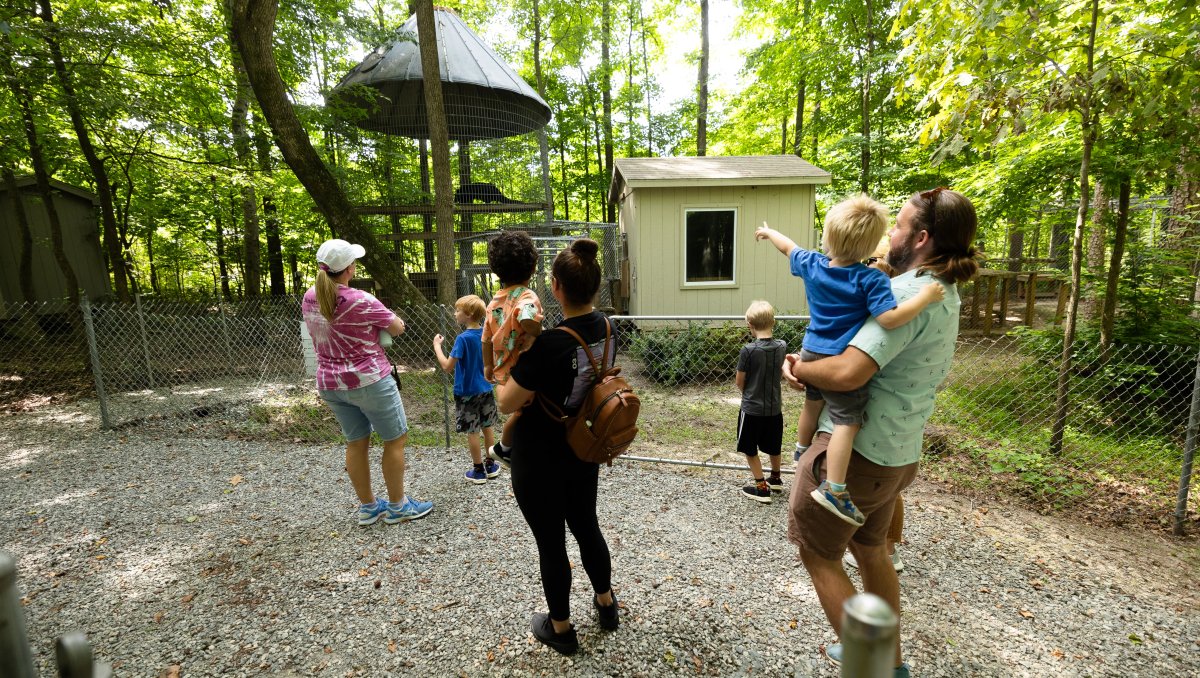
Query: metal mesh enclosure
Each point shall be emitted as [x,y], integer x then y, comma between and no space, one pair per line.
[240,369]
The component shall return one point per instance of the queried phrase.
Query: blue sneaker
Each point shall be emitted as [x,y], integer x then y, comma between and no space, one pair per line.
[474,475]
[498,453]
[409,510]
[838,503]
[491,468]
[834,654]
[369,513]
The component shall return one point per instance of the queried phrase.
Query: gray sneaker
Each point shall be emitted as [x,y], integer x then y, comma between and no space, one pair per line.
[849,561]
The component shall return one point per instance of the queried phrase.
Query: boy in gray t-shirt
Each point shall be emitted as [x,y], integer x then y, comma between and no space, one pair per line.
[760,419]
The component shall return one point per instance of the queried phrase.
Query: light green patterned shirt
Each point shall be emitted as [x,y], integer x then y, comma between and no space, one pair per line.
[913,361]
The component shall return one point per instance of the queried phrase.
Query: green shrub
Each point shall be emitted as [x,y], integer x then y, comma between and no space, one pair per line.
[699,352]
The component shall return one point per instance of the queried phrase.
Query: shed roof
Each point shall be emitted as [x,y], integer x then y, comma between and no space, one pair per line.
[31,181]
[744,170]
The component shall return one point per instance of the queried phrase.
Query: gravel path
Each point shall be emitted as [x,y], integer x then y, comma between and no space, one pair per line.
[225,557]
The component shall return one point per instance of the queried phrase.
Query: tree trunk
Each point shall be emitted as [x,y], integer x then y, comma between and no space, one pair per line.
[1016,246]
[150,257]
[41,174]
[646,77]
[1181,229]
[610,211]
[865,149]
[702,85]
[543,142]
[426,219]
[1109,313]
[241,147]
[25,269]
[218,210]
[466,248]
[112,243]
[262,146]
[253,24]
[439,141]
[1093,304]
[801,86]
[1089,124]
[562,170]
[816,119]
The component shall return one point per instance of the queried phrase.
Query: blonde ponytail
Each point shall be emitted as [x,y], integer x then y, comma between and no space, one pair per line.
[326,293]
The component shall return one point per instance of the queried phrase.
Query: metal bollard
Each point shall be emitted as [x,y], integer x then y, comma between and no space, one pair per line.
[73,654]
[15,657]
[868,637]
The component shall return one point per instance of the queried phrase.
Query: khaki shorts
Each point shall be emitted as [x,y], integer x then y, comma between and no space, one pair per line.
[874,489]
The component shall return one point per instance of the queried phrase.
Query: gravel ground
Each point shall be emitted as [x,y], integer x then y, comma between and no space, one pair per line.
[224,557]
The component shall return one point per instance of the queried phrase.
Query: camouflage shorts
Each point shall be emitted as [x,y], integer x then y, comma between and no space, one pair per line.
[474,413]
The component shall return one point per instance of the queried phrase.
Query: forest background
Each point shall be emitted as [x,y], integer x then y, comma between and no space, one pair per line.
[1072,125]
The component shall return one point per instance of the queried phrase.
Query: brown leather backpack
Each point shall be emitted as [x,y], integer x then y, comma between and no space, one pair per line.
[607,419]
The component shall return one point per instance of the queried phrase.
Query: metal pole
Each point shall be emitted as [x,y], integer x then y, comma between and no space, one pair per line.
[868,637]
[15,658]
[94,354]
[1189,453]
[696,464]
[137,300]
[73,654]
[445,381]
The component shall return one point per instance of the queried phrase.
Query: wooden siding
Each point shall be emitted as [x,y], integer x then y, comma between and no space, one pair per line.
[653,220]
[81,242]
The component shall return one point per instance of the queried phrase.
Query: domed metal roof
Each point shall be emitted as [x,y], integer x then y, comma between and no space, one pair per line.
[484,98]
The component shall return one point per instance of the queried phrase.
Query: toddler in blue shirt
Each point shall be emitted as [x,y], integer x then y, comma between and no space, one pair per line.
[842,293]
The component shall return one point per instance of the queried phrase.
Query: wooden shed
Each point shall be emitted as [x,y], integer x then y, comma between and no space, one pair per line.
[688,224]
[81,242]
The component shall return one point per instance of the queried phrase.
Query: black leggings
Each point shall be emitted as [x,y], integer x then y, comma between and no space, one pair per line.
[556,491]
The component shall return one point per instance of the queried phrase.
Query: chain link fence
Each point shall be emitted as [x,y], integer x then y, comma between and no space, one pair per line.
[241,370]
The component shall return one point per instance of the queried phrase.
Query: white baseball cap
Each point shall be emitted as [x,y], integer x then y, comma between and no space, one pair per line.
[337,255]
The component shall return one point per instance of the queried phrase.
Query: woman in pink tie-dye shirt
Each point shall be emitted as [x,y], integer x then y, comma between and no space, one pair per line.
[354,379]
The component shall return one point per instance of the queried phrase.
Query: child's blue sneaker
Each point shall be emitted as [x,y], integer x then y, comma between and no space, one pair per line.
[474,475]
[838,503]
[409,510]
[369,513]
[491,468]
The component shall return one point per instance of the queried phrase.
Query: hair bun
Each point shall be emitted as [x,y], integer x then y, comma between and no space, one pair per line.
[585,248]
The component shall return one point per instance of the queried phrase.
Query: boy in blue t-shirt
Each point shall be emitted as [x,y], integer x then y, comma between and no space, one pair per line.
[842,293]
[474,404]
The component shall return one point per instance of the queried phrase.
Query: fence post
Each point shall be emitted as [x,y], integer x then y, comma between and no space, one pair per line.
[73,654]
[15,657]
[445,393]
[868,637]
[137,302]
[1189,453]
[94,355]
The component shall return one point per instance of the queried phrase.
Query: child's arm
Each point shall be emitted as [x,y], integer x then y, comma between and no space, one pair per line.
[489,361]
[910,309]
[446,363]
[781,242]
[531,327]
[740,380]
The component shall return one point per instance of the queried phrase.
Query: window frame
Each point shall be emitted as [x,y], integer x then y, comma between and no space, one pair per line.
[710,284]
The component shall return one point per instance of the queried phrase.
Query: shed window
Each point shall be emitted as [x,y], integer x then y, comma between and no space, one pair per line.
[708,238]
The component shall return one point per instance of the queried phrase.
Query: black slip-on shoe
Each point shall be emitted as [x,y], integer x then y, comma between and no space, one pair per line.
[607,615]
[543,630]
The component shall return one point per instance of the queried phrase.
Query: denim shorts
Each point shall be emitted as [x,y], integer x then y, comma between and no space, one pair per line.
[375,407]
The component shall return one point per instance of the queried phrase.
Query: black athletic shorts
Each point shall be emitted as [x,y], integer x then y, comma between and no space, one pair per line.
[759,433]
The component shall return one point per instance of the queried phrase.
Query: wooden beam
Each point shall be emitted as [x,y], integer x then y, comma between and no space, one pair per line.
[420,235]
[988,304]
[1030,298]
[459,208]
[1005,290]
